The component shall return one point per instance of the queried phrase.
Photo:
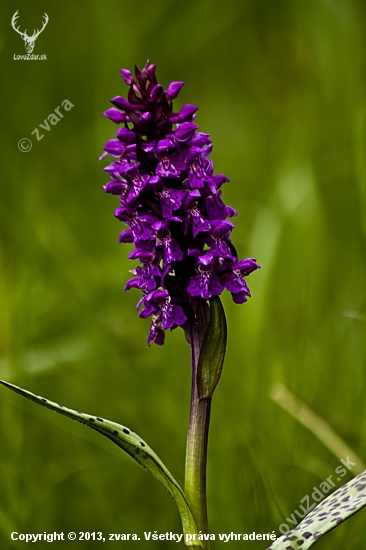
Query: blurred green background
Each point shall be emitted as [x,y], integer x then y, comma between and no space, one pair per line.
[281,90]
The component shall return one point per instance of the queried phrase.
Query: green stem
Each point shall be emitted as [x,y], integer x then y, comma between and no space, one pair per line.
[197,439]
[196,459]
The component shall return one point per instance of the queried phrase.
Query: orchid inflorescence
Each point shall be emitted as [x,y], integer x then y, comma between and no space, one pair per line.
[172,203]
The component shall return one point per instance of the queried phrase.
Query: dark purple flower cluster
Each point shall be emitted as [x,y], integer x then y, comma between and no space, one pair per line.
[172,203]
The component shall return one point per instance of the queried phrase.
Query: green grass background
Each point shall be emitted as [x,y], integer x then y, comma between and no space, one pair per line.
[281,90]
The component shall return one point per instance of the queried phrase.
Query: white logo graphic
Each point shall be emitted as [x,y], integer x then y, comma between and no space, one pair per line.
[28,40]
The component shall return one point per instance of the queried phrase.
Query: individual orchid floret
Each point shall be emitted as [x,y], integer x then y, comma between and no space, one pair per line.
[207,283]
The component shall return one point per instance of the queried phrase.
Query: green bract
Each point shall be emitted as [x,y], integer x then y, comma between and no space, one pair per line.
[213,351]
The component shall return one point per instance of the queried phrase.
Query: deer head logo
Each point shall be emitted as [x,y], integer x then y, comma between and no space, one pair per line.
[28,40]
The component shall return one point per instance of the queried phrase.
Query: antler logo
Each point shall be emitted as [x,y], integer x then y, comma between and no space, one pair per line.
[28,40]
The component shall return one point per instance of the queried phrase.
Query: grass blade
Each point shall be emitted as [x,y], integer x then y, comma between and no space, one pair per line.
[315,424]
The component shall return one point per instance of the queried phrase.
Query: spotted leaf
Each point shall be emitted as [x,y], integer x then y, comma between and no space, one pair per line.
[133,445]
[339,506]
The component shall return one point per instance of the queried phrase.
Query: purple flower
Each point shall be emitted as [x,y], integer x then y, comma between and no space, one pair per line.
[170,199]
[114,148]
[171,251]
[235,282]
[186,114]
[216,209]
[159,303]
[115,115]
[165,168]
[147,277]
[173,90]
[164,314]
[194,219]
[185,131]
[207,282]
[171,202]
[140,225]
[220,243]
[156,334]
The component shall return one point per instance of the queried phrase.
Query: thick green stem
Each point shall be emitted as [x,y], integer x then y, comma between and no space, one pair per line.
[196,452]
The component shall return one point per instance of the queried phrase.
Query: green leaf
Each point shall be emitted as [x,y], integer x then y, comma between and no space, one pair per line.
[133,445]
[339,506]
[213,351]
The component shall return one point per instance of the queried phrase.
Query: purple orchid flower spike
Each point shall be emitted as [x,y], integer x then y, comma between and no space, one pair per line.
[171,201]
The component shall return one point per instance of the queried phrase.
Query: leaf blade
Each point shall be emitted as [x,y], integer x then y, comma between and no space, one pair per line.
[132,444]
[336,511]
